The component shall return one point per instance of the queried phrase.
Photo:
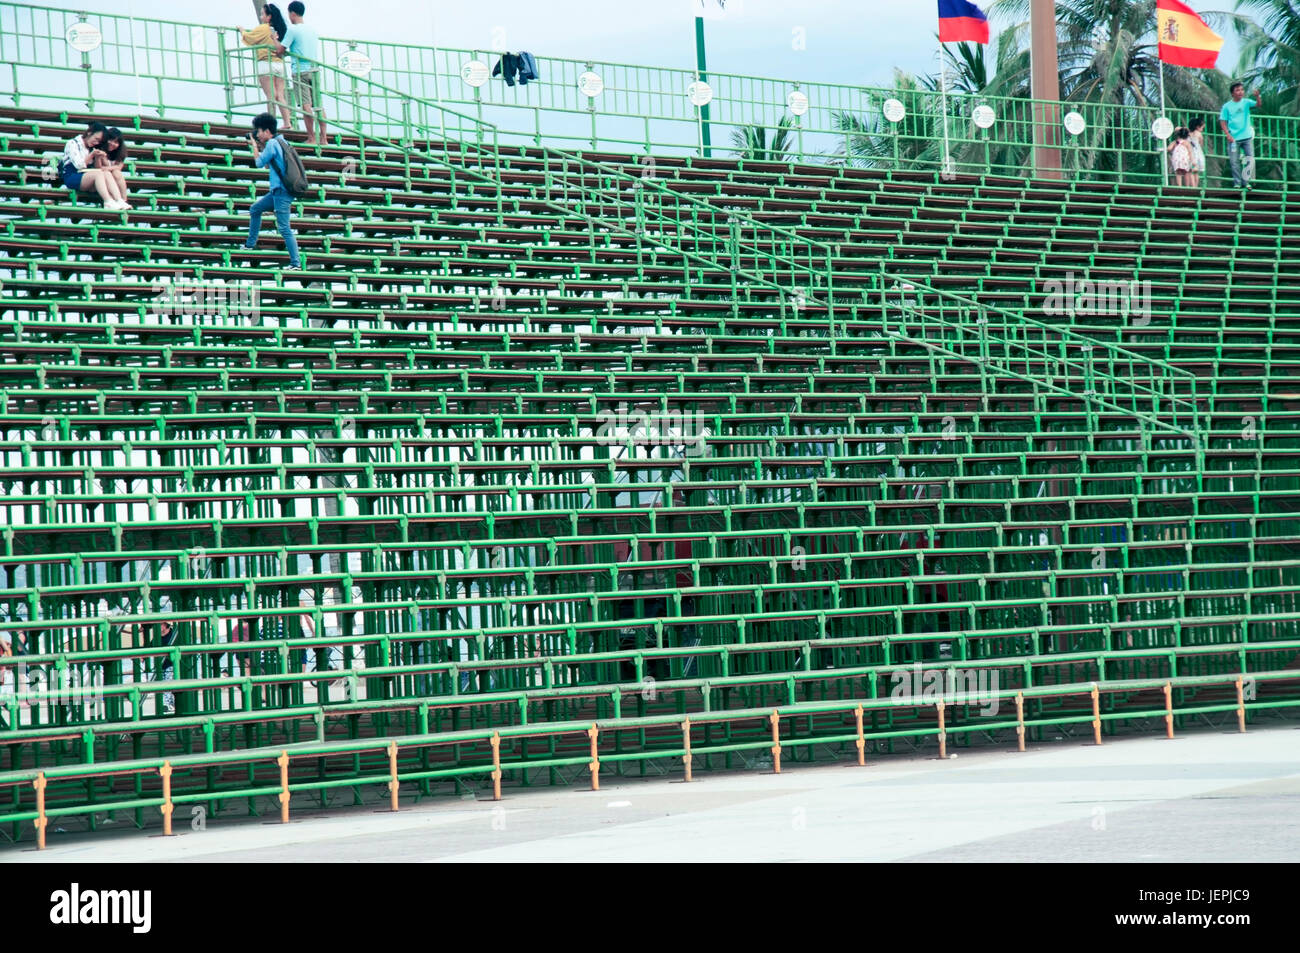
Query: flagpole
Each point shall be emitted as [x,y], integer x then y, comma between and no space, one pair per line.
[1164,174]
[135,59]
[943,98]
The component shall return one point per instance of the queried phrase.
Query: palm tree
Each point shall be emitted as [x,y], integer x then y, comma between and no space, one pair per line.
[1108,54]
[751,142]
[1270,60]
[871,141]
[1109,57]
[968,67]
[1270,53]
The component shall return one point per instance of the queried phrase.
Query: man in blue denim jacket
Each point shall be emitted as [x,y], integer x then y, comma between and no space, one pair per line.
[268,155]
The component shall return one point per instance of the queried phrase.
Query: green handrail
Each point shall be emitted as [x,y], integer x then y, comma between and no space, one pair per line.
[642,208]
[1156,393]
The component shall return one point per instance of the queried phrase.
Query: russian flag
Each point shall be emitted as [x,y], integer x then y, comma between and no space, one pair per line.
[962,21]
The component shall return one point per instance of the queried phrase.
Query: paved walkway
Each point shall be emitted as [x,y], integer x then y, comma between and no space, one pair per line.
[1212,796]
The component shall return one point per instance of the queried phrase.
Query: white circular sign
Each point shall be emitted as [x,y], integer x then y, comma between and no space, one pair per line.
[894,110]
[700,93]
[1074,123]
[84,37]
[590,84]
[1162,128]
[475,73]
[798,102]
[983,116]
[355,63]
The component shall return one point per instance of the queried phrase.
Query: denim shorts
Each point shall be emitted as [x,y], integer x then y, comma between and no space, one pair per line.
[71,177]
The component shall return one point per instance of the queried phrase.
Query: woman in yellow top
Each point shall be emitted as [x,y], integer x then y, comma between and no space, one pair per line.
[270,67]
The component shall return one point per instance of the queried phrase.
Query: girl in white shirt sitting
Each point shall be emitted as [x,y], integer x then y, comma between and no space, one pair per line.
[77,168]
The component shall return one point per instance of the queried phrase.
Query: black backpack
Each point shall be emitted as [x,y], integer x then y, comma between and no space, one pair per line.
[294,174]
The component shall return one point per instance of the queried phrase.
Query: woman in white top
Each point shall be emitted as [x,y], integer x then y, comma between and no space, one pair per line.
[77,168]
[270,66]
[1197,129]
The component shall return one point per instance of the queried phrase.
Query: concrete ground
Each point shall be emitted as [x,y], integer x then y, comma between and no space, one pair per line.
[1209,796]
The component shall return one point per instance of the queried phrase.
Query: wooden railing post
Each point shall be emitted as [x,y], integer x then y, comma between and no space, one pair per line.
[1096,715]
[861,741]
[1169,710]
[775,719]
[41,820]
[167,806]
[392,774]
[1241,704]
[593,733]
[943,735]
[283,762]
[1020,720]
[686,744]
[495,741]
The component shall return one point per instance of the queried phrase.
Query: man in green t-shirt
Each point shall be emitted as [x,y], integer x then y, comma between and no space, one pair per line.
[1234,120]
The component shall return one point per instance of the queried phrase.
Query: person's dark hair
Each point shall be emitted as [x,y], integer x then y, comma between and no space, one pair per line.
[265,121]
[1182,132]
[297,7]
[114,155]
[278,25]
[93,127]
[1195,124]
[1231,89]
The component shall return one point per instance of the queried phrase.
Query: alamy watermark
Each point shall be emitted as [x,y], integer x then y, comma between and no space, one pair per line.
[674,428]
[77,906]
[33,685]
[952,686]
[1086,296]
[188,296]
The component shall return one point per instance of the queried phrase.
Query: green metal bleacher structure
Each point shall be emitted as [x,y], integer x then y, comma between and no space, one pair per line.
[402,548]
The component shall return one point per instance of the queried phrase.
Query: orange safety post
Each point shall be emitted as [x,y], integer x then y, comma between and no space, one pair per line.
[775,718]
[283,762]
[392,773]
[41,820]
[1169,710]
[1096,715]
[1241,705]
[167,806]
[593,732]
[943,735]
[495,741]
[1020,719]
[862,741]
[686,743]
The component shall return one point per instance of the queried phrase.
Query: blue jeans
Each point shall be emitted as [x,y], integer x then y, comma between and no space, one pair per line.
[1242,157]
[280,200]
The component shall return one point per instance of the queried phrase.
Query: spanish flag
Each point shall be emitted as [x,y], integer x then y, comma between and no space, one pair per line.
[1185,39]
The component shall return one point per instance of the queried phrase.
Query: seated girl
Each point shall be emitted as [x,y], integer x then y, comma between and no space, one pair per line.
[77,168]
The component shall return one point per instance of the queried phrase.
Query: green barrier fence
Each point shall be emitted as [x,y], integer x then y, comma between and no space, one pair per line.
[178,68]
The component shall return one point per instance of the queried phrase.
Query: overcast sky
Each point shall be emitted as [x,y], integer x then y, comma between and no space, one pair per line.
[844,41]
[854,42]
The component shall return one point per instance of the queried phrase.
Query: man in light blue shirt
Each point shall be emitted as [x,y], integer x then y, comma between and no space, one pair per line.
[301,42]
[1234,120]
[268,155]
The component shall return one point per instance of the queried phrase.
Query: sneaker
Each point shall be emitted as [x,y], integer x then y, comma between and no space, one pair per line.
[292,268]
[115,206]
